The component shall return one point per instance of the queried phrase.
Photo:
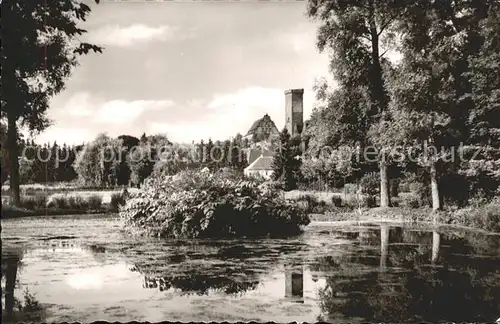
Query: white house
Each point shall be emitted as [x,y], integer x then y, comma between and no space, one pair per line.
[262,167]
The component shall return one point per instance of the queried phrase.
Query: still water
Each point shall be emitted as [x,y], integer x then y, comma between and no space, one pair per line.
[83,268]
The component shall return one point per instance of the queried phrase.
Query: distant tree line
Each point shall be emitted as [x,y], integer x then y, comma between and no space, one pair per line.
[125,160]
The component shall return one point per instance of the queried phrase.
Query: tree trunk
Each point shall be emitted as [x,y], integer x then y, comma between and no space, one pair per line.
[385,198]
[13,150]
[436,199]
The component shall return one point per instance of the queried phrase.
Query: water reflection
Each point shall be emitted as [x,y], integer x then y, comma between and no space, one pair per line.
[203,267]
[82,270]
[11,259]
[294,284]
[428,276]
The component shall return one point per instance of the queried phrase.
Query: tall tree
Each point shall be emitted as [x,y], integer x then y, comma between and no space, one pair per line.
[357,32]
[433,96]
[39,49]
[286,161]
[98,163]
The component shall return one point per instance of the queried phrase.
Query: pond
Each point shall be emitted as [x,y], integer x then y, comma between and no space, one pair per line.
[84,268]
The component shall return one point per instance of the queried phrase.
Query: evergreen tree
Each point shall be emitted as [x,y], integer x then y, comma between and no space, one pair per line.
[286,162]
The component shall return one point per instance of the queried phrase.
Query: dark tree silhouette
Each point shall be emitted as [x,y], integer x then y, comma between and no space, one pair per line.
[26,57]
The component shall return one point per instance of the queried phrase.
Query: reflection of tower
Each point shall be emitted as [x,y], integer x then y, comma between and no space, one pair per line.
[384,245]
[436,238]
[294,284]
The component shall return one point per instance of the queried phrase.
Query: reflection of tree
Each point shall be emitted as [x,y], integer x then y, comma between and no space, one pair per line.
[460,287]
[11,262]
[201,266]
[200,284]
[9,268]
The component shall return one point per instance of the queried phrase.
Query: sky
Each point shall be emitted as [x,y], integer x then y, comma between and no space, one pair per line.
[190,70]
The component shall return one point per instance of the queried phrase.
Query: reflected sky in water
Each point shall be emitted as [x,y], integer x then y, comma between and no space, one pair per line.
[83,268]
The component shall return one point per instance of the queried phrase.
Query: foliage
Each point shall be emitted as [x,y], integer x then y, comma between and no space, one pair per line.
[286,162]
[370,184]
[141,163]
[177,158]
[34,202]
[30,308]
[360,201]
[94,202]
[336,201]
[202,204]
[98,164]
[312,204]
[75,202]
[118,200]
[486,216]
[411,201]
[30,79]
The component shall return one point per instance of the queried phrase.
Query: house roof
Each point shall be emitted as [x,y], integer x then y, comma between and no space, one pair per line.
[262,163]
[256,124]
[255,153]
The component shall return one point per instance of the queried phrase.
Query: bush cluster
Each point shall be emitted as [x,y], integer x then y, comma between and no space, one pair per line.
[34,202]
[118,200]
[201,204]
[75,202]
[311,204]
[370,184]
[486,216]
[354,202]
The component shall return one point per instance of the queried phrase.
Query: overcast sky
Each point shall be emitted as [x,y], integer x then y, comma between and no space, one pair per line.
[190,70]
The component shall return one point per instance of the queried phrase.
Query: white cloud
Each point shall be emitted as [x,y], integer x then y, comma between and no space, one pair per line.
[115,35]
[122,112]
[232,113]
[116,112]
[61,134]
[79,105]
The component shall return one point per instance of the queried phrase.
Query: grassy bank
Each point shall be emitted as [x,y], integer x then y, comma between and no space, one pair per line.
[37,190]
[485,218]
[64,204]
[335,207]
[15,212]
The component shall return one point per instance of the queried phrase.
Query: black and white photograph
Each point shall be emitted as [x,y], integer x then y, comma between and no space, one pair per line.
[250,161]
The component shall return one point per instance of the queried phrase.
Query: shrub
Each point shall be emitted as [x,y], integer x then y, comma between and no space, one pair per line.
[370,183]
[77,202]
[368,201]
[312,204]
[411,201]
[404,186]
[193,204]
[34,202]
[94,202]
[353,202]
[486,217]
[454,189]
[117,200]
[337,201]
[60,201]
[350,189]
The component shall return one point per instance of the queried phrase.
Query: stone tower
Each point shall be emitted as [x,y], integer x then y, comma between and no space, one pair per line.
[294,111]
